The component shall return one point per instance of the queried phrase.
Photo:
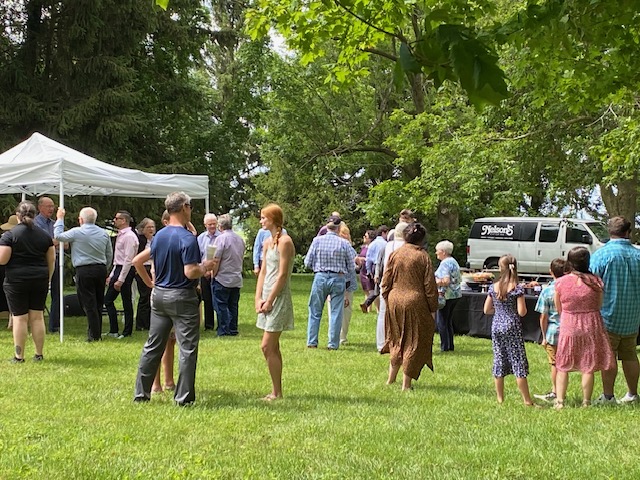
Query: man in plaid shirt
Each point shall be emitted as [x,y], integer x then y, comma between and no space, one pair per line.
[331,258]
[618,264]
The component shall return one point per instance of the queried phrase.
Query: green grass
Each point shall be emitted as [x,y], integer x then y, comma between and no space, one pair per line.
[72,416]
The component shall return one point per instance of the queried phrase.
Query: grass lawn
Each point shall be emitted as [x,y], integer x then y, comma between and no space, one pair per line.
[72,416]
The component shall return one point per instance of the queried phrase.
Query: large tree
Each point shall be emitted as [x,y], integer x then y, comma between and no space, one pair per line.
[132,85]
[568,127]
[321,149]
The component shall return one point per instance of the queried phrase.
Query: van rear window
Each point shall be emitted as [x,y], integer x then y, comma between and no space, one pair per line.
[516,231]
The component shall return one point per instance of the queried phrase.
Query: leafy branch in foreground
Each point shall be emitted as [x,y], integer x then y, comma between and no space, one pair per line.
[441,43]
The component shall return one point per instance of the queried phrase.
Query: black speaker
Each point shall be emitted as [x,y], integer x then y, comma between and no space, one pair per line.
[72,307]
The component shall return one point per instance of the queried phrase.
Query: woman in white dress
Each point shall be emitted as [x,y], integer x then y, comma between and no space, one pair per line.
[274,305]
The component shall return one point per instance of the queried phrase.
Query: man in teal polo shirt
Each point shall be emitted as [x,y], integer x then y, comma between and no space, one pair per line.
[618,264]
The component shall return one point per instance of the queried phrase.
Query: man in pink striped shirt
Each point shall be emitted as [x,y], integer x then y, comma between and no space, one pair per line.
[121,276]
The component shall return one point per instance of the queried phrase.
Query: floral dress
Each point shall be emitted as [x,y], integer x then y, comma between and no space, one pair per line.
[509,355]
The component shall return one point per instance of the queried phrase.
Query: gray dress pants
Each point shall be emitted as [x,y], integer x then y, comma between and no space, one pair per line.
[178,308]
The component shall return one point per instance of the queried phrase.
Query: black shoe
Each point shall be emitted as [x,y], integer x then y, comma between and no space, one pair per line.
[141,399]
[37,358]
[17,360]
[90,339]
[54,331]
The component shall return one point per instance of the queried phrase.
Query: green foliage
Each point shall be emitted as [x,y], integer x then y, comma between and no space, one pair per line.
[443,40]
[320,149]
[134,86]
[463,168]
[298,264]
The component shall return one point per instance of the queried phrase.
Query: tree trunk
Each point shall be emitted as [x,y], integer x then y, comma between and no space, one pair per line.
[621,199]
[448,218]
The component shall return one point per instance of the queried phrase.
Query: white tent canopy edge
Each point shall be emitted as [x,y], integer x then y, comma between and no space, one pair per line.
[41,166]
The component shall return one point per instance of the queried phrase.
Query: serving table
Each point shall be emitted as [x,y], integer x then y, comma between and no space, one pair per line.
[469,318]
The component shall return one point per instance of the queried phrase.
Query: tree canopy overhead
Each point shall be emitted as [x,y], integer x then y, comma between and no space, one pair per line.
[442,40]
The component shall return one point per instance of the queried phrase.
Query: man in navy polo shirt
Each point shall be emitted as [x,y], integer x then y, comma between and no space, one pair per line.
[174,301]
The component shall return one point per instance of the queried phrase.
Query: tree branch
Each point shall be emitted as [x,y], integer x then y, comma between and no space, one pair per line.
[367,22]
[346,149]
[382,53]
[552,127]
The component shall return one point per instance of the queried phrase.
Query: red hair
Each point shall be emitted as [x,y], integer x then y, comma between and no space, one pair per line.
[274,213]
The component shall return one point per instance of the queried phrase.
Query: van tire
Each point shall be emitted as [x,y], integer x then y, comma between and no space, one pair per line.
[490,263]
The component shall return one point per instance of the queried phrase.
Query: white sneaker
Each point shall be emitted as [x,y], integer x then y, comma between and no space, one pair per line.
[602,400]
[628,398]
[547,397]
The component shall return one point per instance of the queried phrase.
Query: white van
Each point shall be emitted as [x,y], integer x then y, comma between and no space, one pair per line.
[533,241]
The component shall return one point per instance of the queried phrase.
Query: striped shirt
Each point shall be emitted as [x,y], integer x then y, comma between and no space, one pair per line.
[330,253]
[618,264]
[546,305]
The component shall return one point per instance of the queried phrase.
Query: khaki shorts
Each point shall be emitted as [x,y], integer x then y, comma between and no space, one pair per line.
[551,353]
[624,346]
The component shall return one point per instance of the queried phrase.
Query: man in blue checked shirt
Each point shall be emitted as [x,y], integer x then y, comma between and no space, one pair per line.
[331,258]
[618,264]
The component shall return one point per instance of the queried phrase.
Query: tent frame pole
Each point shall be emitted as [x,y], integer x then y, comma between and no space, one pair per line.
[61,264]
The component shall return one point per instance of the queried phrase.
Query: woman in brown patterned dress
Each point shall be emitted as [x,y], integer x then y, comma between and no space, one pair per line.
[409,289]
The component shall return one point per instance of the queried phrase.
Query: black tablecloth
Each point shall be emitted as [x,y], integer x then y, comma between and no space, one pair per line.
[469,318]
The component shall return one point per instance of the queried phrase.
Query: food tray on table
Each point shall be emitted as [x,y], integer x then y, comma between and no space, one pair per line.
[478,281]
[532,288]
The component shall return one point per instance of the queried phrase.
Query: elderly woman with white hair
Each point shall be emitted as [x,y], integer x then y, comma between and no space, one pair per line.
[448,278]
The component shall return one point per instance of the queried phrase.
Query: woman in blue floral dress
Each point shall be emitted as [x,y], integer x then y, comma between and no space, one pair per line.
[506,301]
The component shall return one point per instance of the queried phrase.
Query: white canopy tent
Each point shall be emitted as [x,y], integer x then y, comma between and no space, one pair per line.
[41,166]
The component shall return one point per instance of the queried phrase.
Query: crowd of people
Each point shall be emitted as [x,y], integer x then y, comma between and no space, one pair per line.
[589,313]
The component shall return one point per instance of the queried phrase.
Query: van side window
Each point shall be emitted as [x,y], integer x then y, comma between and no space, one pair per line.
[528,231]
[549,232]
[577,233]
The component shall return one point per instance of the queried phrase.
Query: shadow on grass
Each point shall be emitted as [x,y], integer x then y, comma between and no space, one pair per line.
[297,402]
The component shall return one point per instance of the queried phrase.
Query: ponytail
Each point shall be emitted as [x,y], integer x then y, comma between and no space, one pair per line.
[278,235]
[508,276]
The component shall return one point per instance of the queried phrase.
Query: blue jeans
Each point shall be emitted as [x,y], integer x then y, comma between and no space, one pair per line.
[325,284]
[225,302]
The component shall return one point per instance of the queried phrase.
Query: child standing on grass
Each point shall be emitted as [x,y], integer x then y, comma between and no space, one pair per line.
[506,301]
[550,324]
